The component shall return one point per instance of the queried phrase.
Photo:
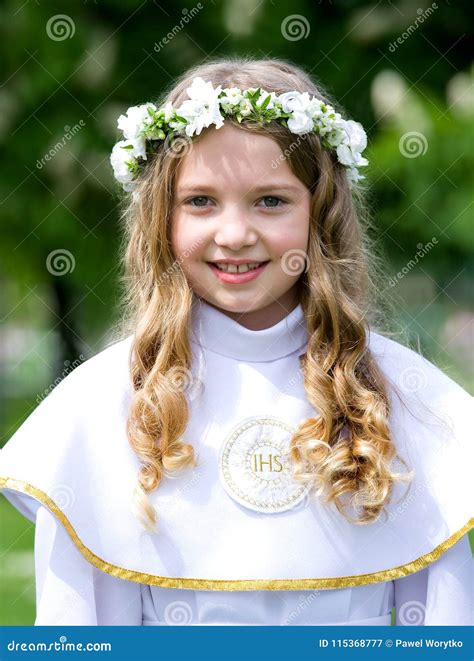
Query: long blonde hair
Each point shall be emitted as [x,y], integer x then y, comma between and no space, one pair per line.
[344,451]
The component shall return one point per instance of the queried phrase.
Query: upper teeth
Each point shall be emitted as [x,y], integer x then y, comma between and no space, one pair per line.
[241,268]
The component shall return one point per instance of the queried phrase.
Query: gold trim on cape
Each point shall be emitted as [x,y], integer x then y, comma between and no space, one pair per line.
[235,584]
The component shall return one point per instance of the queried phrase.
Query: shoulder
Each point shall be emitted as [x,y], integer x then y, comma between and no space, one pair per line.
[411,372]
[385,348]
[431,426]
[95,392]
[74,438]
[430,414]
[79,424]
[112,359]
[106,371]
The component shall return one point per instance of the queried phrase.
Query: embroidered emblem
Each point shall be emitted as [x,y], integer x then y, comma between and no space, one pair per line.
[255,466]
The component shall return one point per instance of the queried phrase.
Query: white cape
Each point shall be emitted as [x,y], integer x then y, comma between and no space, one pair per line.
[72,456]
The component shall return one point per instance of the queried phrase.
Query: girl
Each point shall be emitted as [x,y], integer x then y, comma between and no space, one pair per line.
[250,450]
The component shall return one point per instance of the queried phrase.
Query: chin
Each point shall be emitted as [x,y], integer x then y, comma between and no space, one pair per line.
[239,307]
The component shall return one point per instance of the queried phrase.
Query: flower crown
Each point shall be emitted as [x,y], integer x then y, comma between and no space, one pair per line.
[145,124]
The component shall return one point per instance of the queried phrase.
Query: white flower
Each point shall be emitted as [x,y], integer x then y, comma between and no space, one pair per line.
[302,106]
[169,111]
[133,121]
[346,156]
[271,103]
[202,108]
[339,123]
[353,175]
[233,96]
[292,101]
[305,114]
[314,108]
[300,123]
[330,123]
[335,137]
[199,115]
[356,135]
[245,107]
[154,128]
[202,91]
[121,157]
[355,141]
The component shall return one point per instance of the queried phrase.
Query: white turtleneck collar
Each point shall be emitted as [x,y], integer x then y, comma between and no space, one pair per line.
[214,330]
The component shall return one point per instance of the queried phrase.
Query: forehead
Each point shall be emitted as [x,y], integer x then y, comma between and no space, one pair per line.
[231,157]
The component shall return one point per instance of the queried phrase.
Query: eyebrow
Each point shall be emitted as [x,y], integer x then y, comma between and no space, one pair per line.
[254,189]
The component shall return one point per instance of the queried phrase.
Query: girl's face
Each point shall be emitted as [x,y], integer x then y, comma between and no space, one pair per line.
[236,198]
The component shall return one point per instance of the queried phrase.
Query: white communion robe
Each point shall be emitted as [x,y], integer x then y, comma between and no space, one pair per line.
[239,541]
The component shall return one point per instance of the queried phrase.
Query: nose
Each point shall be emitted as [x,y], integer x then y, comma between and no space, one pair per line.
[235,230]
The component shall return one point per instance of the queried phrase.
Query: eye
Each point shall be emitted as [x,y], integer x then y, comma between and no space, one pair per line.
[199,198]
[273,201]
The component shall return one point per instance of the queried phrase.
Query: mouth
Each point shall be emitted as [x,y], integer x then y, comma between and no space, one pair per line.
[235,276]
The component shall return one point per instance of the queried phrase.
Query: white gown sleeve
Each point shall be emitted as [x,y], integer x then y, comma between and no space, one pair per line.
[70,590]
[440,594]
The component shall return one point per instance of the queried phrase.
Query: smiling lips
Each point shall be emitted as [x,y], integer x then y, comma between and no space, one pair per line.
[237,271]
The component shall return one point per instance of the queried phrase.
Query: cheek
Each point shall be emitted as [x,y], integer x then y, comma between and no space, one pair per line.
[175,233]
[300,234]
[294,237]
[188,242]
[182,237]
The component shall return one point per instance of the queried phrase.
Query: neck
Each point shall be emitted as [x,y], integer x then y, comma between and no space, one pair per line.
[218,332]
[265,317]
